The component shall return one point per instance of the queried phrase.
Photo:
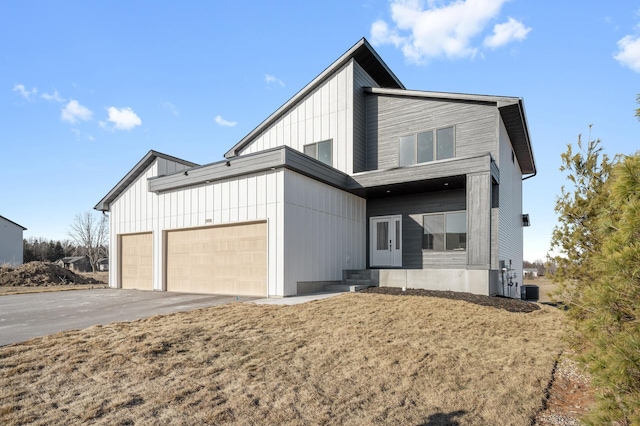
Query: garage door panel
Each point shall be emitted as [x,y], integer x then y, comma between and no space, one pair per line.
[136,261]
[224,260]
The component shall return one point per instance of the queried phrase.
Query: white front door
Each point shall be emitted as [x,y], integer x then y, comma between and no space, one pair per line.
[385,241]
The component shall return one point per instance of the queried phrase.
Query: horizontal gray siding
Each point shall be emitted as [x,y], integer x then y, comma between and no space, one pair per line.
[389,117]
[360,79]
[412,208]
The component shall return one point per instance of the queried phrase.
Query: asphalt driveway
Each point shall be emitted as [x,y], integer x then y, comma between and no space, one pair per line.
[25,316]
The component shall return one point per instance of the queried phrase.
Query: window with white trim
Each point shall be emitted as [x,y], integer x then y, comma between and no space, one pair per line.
[445,231]
[427,146]
[320,151]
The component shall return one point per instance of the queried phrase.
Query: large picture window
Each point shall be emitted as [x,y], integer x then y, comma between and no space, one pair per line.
[320,151]
[445,231]
[427,146]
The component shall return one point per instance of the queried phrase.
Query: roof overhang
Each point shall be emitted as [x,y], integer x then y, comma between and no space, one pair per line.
[439,175]
[270,159]
[10,221]
[362,52]
[511,111]
[137,170]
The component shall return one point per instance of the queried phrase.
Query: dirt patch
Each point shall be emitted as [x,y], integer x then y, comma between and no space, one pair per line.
[34,274]
[570,396]
[508,304]
[353,359]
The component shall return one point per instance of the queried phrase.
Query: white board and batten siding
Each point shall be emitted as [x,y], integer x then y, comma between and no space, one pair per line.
[135,211]
[244,199]
[325,231]
[510,232]
[326,113]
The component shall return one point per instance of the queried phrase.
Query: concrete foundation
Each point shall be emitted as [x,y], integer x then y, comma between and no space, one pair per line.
[483,282]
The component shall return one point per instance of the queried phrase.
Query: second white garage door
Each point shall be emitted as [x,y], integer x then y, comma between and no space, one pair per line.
[222,260]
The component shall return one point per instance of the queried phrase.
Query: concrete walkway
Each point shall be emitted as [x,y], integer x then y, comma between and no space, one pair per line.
[295,300]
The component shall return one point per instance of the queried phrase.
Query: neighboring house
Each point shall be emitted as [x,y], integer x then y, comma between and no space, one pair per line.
[75,263]
[103,264]
[530,272]
[11,242]
[354,172]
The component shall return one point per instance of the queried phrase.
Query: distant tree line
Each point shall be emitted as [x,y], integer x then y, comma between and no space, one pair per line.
[542,267]
[89,234]
[41,249]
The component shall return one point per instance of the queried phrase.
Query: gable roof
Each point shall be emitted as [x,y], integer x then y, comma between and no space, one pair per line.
[511,110]
[10,221]
[137,170]
[362,53]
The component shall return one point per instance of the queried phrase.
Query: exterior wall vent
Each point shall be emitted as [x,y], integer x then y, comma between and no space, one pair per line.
[525,220]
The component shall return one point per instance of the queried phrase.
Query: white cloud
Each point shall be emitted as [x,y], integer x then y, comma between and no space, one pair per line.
[55,96]
[441,29]
[270,79]
[222,122]
[171,107]
[74,112]
[122,119]
[629,52]
[24,92]
[506,33]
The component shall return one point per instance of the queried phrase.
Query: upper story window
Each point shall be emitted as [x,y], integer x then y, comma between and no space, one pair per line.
[427,146]
[320,151]
[445,231]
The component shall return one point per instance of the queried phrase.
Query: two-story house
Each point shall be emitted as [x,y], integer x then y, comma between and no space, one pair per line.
[354,172]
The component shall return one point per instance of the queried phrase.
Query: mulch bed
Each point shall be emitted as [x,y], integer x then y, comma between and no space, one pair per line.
[498,302]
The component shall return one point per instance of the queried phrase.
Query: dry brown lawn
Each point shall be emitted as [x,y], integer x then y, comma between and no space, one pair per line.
[356,359]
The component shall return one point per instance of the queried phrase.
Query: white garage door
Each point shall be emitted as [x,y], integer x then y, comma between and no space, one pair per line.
[136,261]
[222,260]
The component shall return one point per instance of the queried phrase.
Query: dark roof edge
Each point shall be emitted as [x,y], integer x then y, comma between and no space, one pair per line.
[146,161]
[341,61]
[525,124]
[17,224]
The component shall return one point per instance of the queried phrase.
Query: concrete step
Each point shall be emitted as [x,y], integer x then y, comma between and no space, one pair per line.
[359,281]
[346,288]
[341,288]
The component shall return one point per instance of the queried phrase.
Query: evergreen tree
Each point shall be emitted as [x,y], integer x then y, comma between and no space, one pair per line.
[578,207]
[610,311]
[598,246]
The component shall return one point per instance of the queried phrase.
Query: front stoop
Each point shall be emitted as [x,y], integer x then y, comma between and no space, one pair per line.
[356,279]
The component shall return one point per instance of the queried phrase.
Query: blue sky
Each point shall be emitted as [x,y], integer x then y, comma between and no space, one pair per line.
[88,88]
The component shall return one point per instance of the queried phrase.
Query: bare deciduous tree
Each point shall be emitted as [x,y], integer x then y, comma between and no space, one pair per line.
[91,234]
